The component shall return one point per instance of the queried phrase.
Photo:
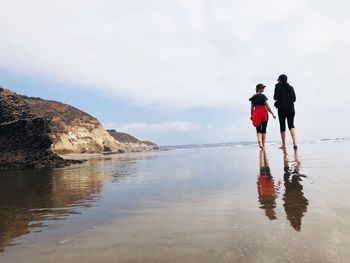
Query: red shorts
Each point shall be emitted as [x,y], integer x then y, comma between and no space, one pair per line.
[260,114]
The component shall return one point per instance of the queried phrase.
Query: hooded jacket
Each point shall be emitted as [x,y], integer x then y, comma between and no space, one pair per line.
[284,96]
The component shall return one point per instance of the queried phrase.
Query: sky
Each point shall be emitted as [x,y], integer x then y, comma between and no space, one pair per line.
[181,71]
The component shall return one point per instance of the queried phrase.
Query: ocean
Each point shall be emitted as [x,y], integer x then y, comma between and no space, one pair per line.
[224,202]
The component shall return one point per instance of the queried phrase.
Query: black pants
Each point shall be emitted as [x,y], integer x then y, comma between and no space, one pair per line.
[283,115]
[262,127]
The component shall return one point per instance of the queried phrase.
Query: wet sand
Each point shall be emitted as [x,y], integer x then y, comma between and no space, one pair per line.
[202,205]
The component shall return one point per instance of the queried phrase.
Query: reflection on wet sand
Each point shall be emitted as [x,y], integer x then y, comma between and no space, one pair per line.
[28,198]
[294,202]
[266,188]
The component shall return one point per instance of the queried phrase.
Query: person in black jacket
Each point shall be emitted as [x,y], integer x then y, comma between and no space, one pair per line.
[285,98]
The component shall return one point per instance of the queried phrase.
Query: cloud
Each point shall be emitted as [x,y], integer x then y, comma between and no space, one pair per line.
[139,127]
[181,53]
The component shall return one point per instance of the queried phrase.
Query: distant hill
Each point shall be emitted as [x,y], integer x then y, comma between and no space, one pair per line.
[122,137]
[133,144]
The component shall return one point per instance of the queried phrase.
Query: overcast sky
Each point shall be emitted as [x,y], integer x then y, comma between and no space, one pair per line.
[181,71]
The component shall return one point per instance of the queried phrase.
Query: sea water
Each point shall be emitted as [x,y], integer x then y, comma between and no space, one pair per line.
[201,203]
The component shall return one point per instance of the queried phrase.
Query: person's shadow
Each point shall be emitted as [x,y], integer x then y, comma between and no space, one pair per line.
[294,202]
[267,192]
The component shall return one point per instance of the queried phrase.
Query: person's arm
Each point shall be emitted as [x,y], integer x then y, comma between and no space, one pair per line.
[268,106]
[269,109]
[251,110]
[276,94]
[294,98]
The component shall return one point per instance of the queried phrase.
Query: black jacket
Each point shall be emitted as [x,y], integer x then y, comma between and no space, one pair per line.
[284,96]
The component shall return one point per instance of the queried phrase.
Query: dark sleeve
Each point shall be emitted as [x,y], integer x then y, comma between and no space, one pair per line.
[294,98]
[276,95]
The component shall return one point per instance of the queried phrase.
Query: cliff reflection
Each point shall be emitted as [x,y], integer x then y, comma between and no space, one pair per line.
[29,198]
[294,202]
[267,191]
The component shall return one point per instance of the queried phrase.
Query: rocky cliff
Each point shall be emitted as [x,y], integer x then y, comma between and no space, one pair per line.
[25,138]
[73,131]
[131,144]
[35,129]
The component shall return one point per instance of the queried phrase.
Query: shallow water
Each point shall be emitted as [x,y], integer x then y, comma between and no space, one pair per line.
[221,204]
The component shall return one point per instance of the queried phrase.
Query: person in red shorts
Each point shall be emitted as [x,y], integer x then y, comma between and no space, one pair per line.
[259,114]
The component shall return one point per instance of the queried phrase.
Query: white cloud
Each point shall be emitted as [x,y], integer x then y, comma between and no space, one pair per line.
[139,127]
[180,53]
[188,53]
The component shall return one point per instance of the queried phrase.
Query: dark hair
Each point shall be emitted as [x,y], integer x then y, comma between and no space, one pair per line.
[283,78]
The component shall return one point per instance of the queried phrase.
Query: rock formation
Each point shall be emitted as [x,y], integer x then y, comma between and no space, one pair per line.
[73,131]
[33,131]
[25,138]
[131,144]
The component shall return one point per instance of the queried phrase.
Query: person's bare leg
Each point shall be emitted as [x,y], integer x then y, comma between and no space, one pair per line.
[294,138]
[263,139]
[283,137]
[259,136]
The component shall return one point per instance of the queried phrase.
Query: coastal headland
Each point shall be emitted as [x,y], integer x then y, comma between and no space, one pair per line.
[34,132]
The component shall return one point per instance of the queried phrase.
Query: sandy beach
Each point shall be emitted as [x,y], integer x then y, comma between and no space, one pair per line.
[222,204]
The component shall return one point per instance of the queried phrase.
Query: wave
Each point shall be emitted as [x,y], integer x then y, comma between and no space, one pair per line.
[327,140]
[242,145]
[238,145]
